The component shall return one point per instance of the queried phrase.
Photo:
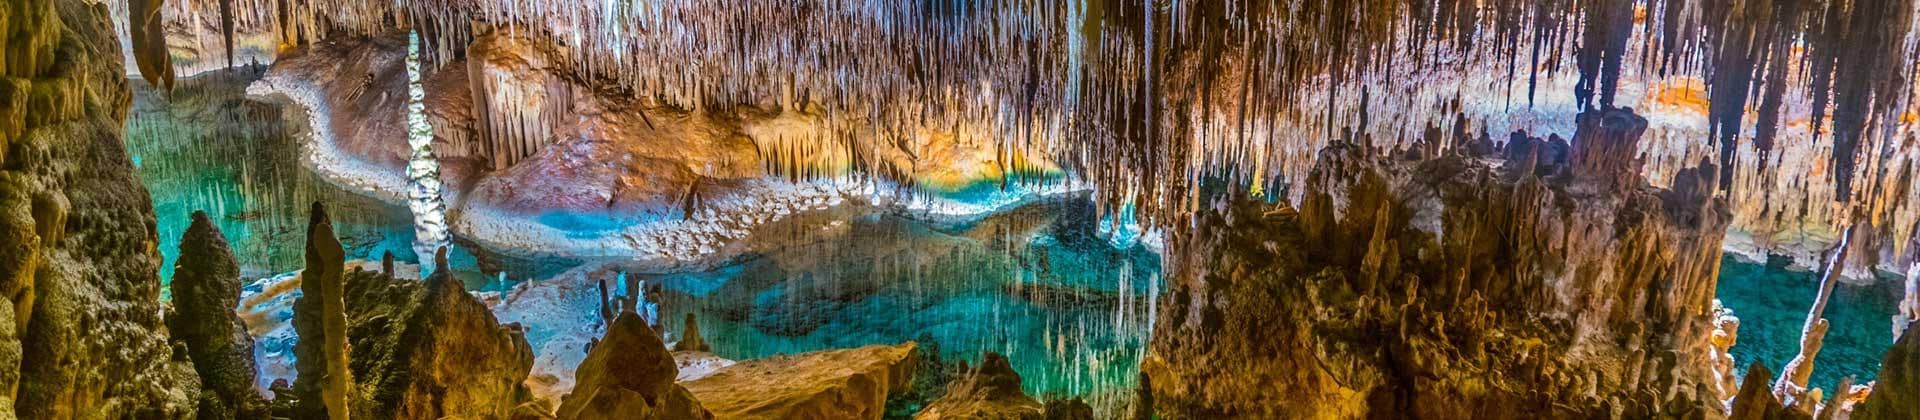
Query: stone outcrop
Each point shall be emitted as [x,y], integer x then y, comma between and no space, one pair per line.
[1896,393]
[320,318]
[690,339]
[431,350]
[1073,409]
[1755,400]
[990,391]
[1550,287]
[81,334]
[832,384]
[206,289]
[629,375]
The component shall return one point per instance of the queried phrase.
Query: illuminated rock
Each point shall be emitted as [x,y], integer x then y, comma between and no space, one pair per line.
[989,391]
[838,384]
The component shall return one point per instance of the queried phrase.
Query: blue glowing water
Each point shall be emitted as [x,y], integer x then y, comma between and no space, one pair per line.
[1070,311]
[206,147]
[1771,302]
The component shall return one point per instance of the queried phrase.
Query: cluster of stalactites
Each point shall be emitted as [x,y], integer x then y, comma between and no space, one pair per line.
[514,118]
[1149,97]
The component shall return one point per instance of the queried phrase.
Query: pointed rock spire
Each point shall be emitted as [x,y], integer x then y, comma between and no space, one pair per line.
[690,339]
[320,319]
[206,288]
[629,374]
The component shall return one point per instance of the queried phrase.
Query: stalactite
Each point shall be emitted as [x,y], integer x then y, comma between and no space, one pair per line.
[1146,98]
[149,42]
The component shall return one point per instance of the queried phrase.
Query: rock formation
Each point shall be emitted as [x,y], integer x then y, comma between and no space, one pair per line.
[206,289]
[320,318]
[1073,409]
[1756,401]
[831,384]
[419,349]
[431,350]
[690,339]
[1896,395]
[79,289]
[1549,287]
[1141,408]
[629,375]
[1726,332]
[990,391]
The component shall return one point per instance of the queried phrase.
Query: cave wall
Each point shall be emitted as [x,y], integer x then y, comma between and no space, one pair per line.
[82,335]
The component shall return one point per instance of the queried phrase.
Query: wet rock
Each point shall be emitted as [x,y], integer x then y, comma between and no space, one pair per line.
[206,289]
[990,391]
[836,384]
[320,319]
[629,375]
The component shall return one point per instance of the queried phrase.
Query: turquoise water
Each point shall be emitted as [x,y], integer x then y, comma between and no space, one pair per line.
[1036,283]
[206,147]
[1771,302]
[1069,310]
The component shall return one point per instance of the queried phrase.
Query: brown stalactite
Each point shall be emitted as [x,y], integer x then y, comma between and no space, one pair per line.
[149,42]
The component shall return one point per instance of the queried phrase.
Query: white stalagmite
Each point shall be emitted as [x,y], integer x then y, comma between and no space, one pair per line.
[423,168]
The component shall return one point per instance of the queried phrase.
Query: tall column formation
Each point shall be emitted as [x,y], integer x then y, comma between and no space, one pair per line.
[424,195]
[1555,286]
[206,289]
[320,319]
[81,331]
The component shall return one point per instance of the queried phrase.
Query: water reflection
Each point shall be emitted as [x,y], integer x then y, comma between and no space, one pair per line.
[1772,303]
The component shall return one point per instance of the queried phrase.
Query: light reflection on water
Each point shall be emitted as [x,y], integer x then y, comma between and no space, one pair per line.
[1772,301]
[1067,308]
[206,147]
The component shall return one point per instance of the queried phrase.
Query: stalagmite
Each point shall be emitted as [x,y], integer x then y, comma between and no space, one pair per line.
[1793,378]
[690,339]
[424,194]
[206,289]
[989,391]
[320,319]
[629,375]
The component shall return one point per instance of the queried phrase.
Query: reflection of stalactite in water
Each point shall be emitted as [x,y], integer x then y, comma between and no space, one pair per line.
[1146,98]
[423,168]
